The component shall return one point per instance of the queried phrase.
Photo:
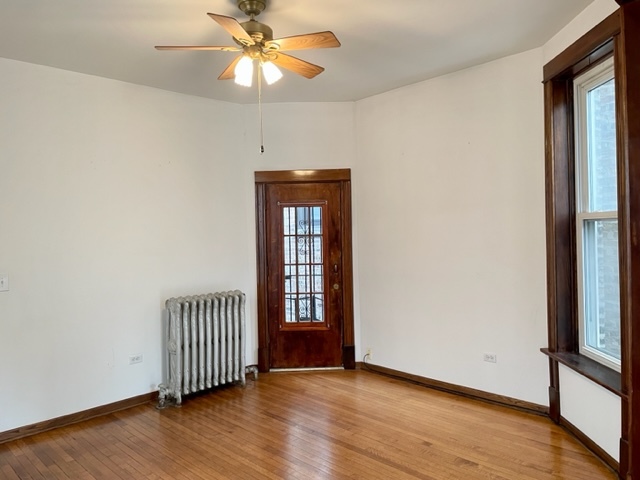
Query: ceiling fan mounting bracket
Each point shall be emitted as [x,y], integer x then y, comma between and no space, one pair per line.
[252,8]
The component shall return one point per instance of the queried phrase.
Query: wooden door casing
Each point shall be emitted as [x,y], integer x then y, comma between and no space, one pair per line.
[342,178]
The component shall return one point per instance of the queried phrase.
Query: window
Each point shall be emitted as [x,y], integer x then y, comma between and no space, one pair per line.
[616,36]
[597,215]
[303,264]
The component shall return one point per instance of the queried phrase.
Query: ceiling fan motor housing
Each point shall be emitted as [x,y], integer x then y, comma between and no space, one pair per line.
[259,32]
[252,7]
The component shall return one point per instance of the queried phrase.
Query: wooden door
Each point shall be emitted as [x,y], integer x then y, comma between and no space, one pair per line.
[303,296]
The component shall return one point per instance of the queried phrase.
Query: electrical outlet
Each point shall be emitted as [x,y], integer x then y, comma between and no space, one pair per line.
[4,282]
[135,359]
[369,353]
[490,357]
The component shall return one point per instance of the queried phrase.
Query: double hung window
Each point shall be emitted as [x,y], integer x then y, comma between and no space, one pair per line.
[597,215]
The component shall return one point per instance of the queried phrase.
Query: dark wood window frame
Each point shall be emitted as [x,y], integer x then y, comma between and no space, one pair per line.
[342,176]
[617,35]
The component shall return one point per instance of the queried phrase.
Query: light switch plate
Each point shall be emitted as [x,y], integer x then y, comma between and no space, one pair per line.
[4,282]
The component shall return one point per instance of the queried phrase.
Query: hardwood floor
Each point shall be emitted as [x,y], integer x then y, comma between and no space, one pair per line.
[316,425]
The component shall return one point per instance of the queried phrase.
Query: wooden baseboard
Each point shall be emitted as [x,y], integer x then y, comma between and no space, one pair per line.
[590,444]
[457,389]
[65,420]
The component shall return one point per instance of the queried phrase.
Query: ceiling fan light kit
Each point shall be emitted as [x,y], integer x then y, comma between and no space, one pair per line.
[244,72]
[271,73]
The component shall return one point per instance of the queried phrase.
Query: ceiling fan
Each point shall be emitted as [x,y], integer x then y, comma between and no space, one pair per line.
[255,40]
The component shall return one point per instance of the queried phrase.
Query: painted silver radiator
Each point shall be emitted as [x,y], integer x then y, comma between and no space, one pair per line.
[205,343]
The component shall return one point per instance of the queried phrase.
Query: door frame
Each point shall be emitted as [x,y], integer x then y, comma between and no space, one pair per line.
[343,177]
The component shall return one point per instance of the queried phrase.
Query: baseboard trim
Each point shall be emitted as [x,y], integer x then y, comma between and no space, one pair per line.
[596,449]
[72,418]
[457,389]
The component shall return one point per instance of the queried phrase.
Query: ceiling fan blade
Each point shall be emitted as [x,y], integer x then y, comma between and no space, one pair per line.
[306,69]
[201,47]
[304,42]
[232,26]
[229,73]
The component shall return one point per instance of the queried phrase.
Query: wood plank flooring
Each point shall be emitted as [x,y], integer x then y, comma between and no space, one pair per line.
[315,425]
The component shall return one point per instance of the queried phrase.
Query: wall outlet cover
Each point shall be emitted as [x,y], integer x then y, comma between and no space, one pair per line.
[490,357]
[135,358]
[4,282]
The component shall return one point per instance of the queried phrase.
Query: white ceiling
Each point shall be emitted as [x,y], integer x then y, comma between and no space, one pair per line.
[386,44]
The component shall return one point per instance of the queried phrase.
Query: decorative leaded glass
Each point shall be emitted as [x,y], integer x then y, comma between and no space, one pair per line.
[303,267]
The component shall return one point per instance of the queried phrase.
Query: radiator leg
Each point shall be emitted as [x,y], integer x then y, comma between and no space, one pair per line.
[252,369]
[163,390]
[167,398]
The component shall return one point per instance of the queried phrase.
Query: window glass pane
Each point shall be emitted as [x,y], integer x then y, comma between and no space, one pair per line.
[318,309]
[602,294]
[303,249]
[289,220]
[290,308]
[316,248]
[289,280]
[601,138]
[303,220]
[316,220]
[303,278]
[289,250]
[318,278]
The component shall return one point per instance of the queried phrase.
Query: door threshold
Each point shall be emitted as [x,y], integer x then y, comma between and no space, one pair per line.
[306,369]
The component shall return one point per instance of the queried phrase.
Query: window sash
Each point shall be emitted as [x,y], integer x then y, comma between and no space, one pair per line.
[584,84]
[599,300]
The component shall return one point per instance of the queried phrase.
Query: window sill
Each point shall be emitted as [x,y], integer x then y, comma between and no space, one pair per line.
[594,371]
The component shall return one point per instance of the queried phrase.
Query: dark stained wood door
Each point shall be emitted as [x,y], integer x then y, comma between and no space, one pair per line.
[304,274]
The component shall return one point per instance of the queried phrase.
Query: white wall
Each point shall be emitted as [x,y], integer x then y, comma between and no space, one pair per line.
[591,408]
[595,410]
[300,136]
[114,197]
[450,180]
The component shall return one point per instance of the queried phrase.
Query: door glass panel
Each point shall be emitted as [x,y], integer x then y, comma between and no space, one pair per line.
[303,264]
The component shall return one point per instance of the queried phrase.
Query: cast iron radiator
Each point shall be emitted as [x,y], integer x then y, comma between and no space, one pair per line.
[205,344]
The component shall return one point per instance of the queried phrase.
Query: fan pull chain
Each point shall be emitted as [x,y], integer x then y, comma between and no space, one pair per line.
[260,110]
